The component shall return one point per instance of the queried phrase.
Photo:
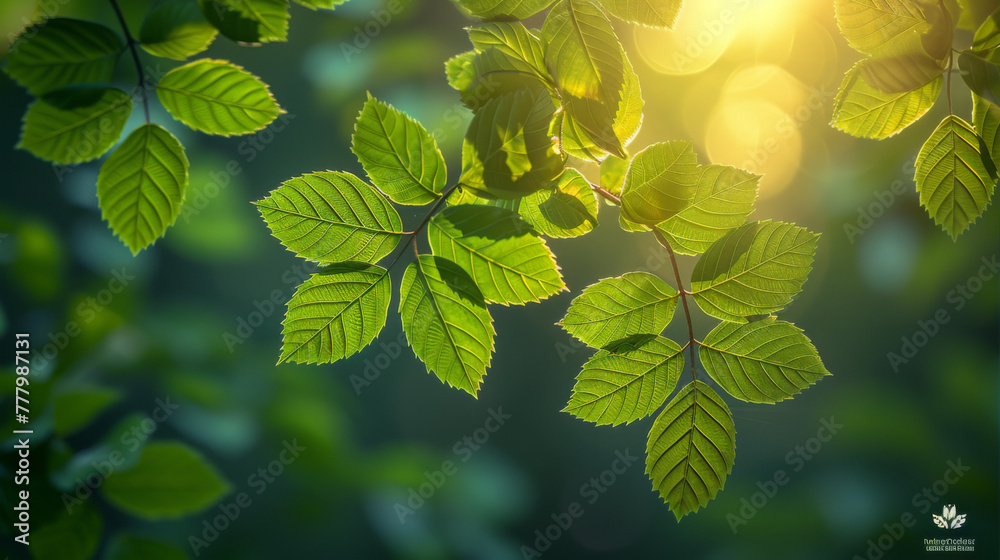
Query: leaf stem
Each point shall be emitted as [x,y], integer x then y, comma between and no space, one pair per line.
[131,42]
[606,194]
[683,295]
[951,55]
[423,223]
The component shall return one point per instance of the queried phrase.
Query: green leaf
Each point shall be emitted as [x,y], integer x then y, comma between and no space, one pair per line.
[616,308]
[331,217]
[987,36]
[901,73]
[491,9]
[754,270]
[514,40]
[982,77]
[75,124]
[490,74]
[446,321]
[506,259]
[507,151]
[583,51]
[986,119]
[660,182]
[76,407]
[628,382]
[567,209]
[217,97]
[141,186]
[335,313]
[593,128]
[613,170]
[723,200]
[954,184]
[248,21]
[873,25]
[691,449]
[398,154]
[764,361]
[72,535]
[865,111]
[176,29]
[650,13]
[60,52]
[129,547]
[314,4]
[170,480]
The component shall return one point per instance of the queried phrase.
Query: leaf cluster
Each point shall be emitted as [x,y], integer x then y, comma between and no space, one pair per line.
[78,115]
[909,60]
[542,100]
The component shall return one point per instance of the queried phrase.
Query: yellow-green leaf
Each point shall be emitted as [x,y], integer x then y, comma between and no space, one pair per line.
[141,186]
[217,97]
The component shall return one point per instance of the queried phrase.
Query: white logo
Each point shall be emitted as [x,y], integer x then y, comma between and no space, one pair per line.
[948,519]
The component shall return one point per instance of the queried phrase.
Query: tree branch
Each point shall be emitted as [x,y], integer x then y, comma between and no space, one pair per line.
[135,57]
[683,295]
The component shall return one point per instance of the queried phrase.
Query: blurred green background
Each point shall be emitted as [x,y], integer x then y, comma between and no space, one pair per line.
[756,93]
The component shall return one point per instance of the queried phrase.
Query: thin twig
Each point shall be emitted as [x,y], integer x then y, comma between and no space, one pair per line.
[683,295]
[135,57]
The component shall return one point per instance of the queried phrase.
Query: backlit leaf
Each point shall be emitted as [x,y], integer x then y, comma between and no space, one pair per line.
[863,110]
[568,208]
[583,51]
[691,449]
[660,182]
[986,119]
[764,361]
[335,313]
[75,124]
[872,25]
[217,97]
[60,52]
[398,154]
[332,217]
[446,321]
[491,9]
[754,270]
[507,152]
[723,200]
[955,185]
[651,13]
[617,308]
[141,186]
[176,29]
[504,256]
[627,382]
[248,21]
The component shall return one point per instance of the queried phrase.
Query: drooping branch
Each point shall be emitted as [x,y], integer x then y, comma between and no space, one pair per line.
[683,295]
